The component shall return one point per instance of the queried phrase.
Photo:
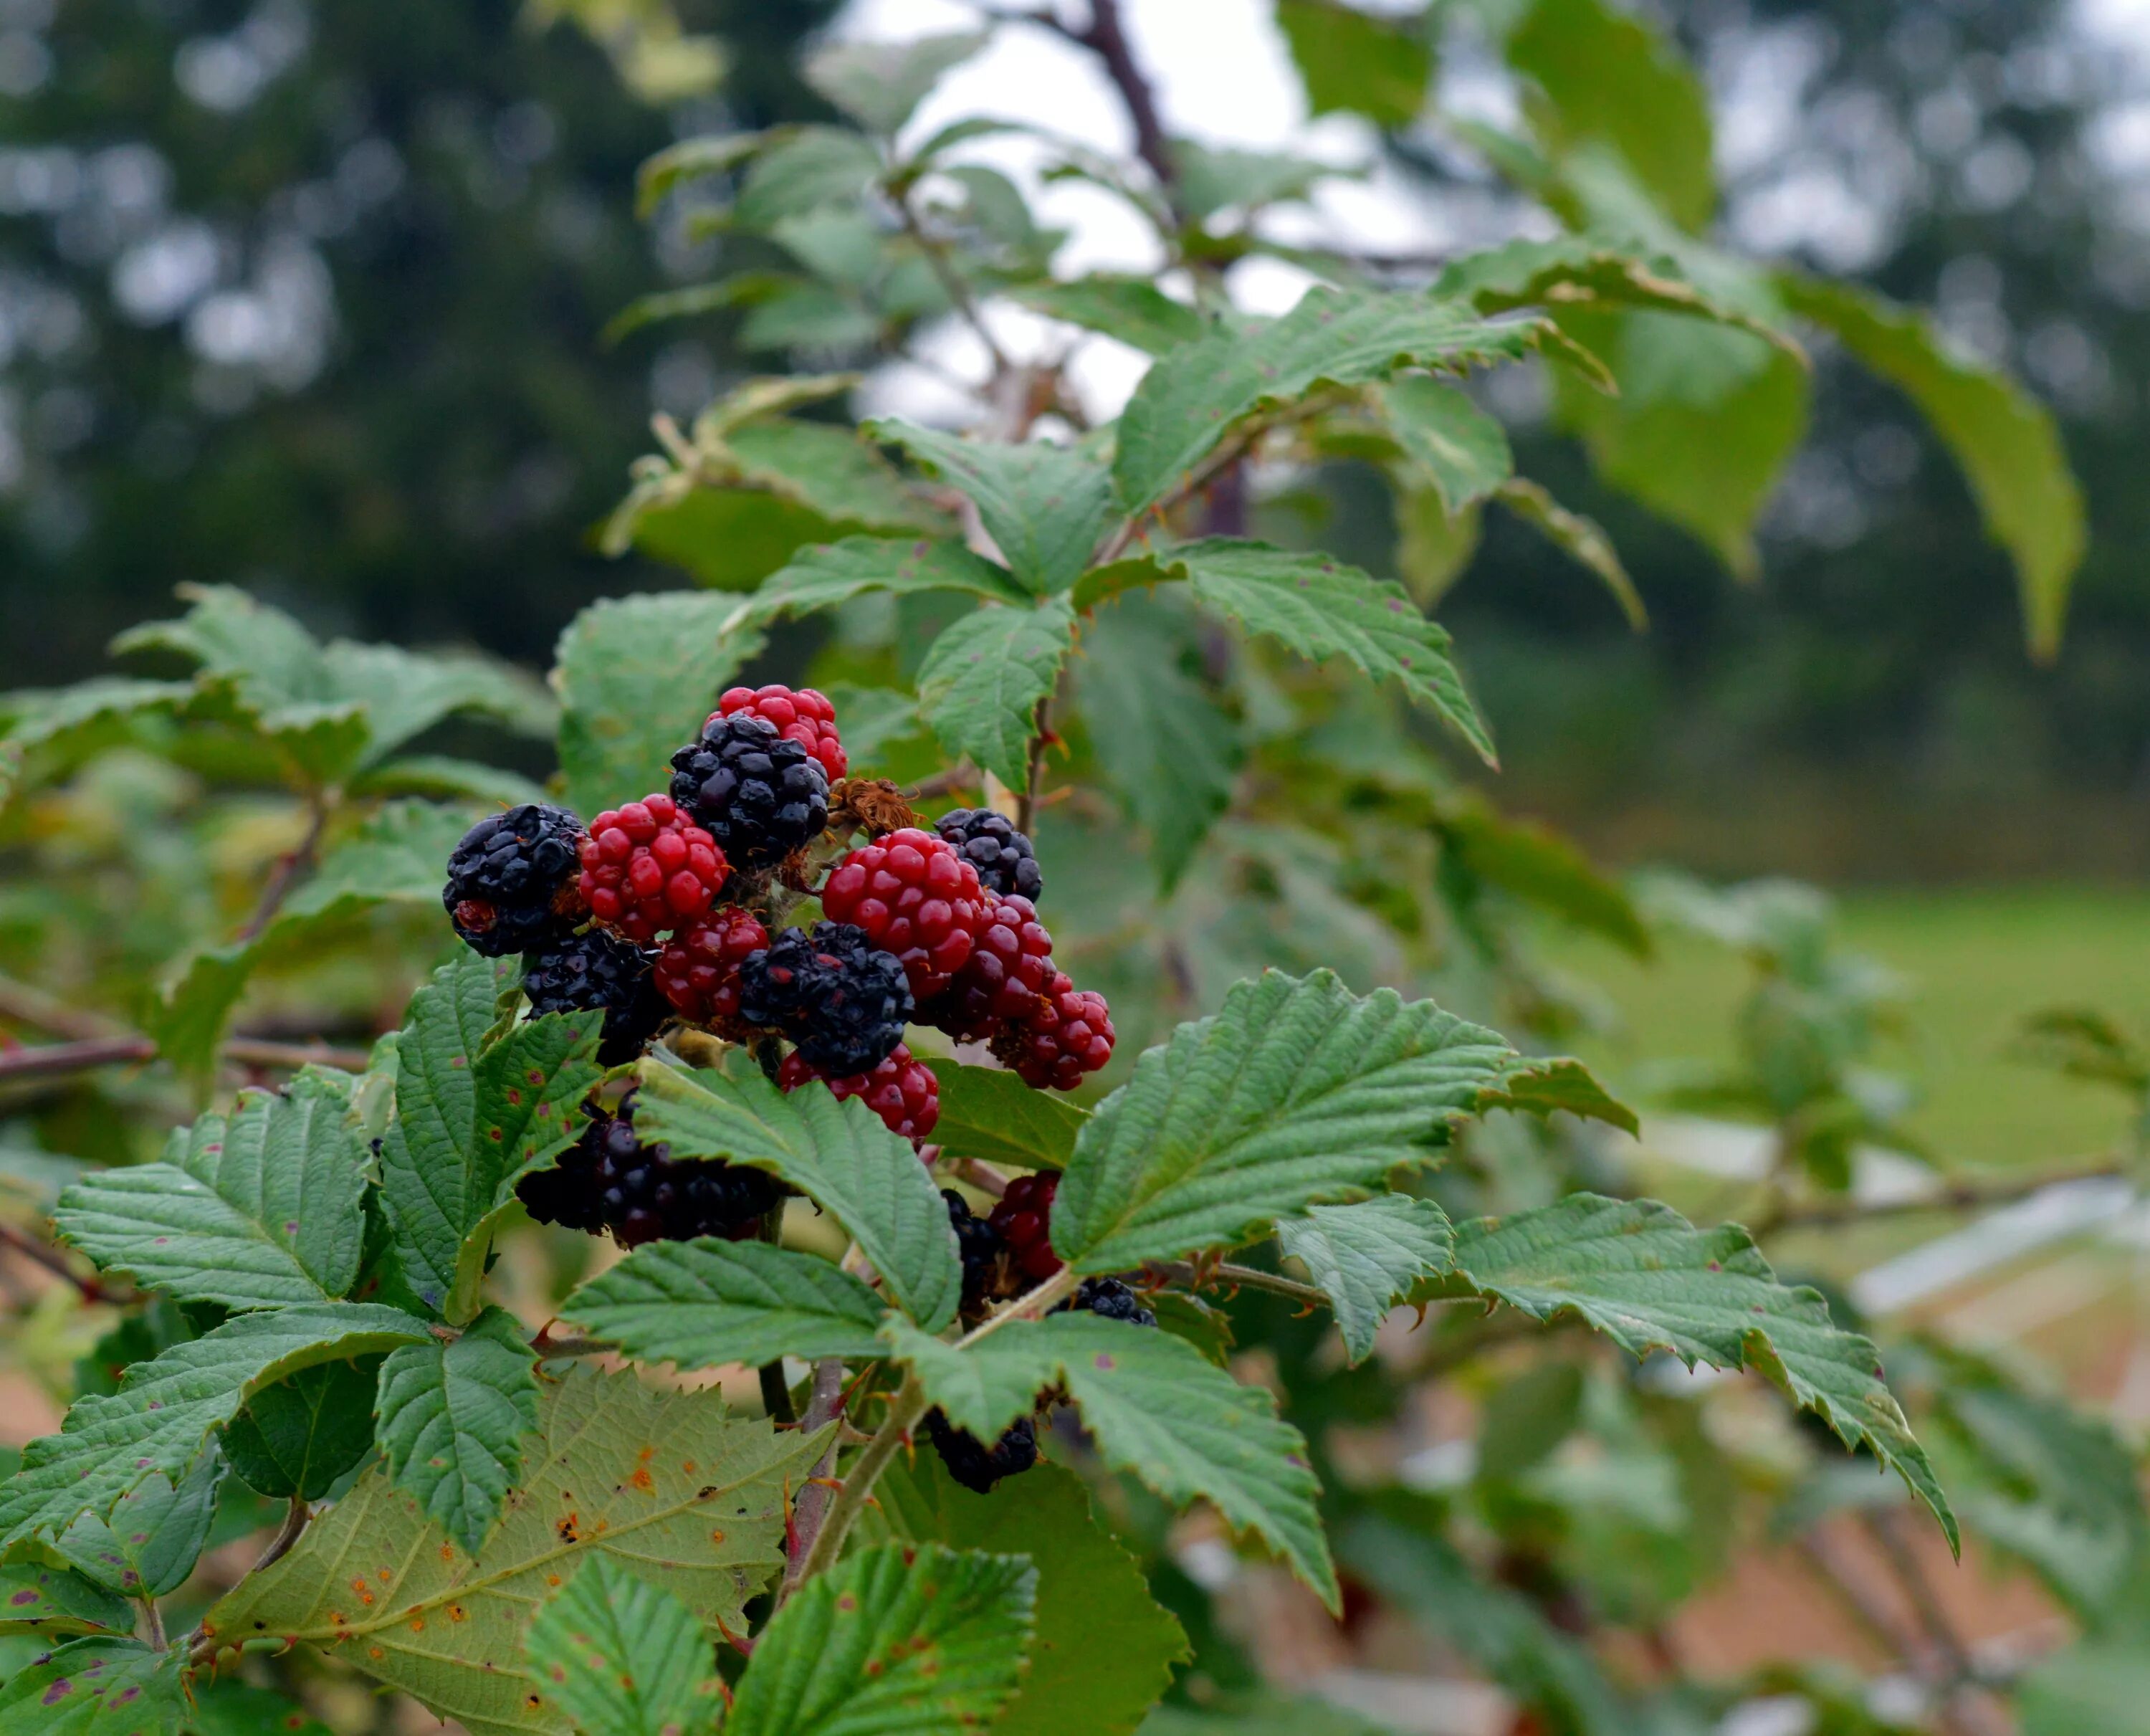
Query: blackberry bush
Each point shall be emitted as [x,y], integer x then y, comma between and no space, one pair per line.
[804,716]
[901,1090]
[610,1180]
[1066,1036]
[1003,982]
[760,795]
[1022,1219]
[698,969]
[975,1465]
[647,868]
[1002,856]
[912,894]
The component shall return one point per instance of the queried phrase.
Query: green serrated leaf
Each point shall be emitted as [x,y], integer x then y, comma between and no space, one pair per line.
[839,1155]
[1103,1651]
[299,1436]
[97,1688]
[2006,441]
[1155,1407]
[1366,1257]
[470,1118]
[981,682]
[1538,865]
[1649,1280]
[251,1210]
[1295,1092]
[894,1638]
[46,729]
[829,573]
[1353,63]
[1459,447]
[878,84]
[705,1302]
[1044,506]
[1193,396]
[988,1114]
[452,1420]
[1132,308]
[1170,754]
[1541,1084]
[802,170]
[832,471]
[691,1497]
[1320,608]
[623,1656]
[636,676]
[162,1414]
[38,1599]
[155,1533]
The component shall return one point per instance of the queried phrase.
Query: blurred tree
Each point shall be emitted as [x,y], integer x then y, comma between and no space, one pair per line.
[308,297]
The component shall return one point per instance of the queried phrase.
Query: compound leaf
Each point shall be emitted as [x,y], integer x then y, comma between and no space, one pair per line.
[624,1658]
[1044,506]
[1296,1091]
[1366,1257]
[1641,1274]
[161,1417]
[452,1420]
[839,1155]
[705,1303]
[257,1208]
[687,1497]
[896,1638]
[1155,1407]
[981,682]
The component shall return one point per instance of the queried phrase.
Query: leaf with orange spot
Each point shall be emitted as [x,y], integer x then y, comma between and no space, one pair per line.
[592,1428]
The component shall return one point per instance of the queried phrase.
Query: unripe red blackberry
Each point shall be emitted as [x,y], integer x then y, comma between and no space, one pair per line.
[901,1091]
[592,969]
[1023,1218]
[698,969]
[975,1465]
[989,842]
[1003,981]
[760,795]
[842,1001]
[647,868]
[803,715]
[1068,1035]
[511,881]
[914,896]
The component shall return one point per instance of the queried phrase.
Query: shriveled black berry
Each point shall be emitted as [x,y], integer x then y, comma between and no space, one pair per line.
[975,1465]
[990,843]
[596,969]
[512,880]
[1110,1299]
[980,1246]
[758,794]
[843,1002]
[610,1180]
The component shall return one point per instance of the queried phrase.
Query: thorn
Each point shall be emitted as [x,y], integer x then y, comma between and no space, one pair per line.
[739,1643]
[790,1525]
[833,1483]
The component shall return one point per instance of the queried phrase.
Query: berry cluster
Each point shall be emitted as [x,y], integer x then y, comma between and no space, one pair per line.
[674,906]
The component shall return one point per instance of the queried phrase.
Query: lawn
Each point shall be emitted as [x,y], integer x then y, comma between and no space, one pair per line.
[1976,961]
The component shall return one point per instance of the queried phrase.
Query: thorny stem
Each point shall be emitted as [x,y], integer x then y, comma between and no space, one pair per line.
[808,1512]
[1041,734]
[910,1404]
[1251,1278]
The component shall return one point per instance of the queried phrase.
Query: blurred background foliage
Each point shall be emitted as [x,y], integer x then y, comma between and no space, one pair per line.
[306,298]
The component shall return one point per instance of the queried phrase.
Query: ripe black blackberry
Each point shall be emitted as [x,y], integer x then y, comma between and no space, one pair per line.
[990,843]
[642,1193]
[842,1002]
[511,880]
[975,1465]
[592,969]
[980,1246]
[1110,1299]
[757,792]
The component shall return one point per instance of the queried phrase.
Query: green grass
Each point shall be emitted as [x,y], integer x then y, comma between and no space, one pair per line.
[1976,961]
